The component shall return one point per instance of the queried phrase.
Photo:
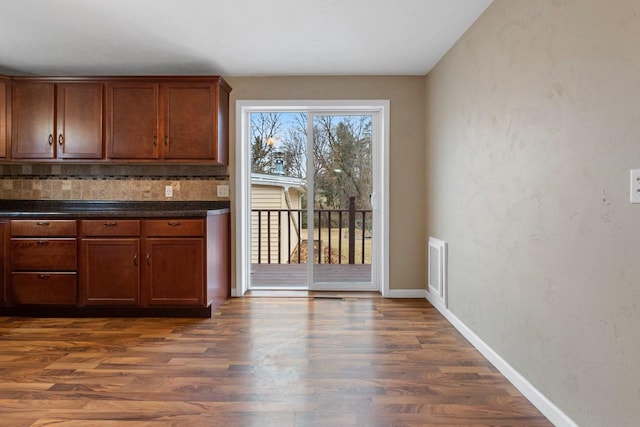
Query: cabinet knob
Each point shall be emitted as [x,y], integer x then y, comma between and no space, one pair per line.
[60,140]
[135,260]
[50,139]
[174,223]
[155,140]
[110,224]
[44,276]
[42,242]
[43,223]
[148,259]
[166,140]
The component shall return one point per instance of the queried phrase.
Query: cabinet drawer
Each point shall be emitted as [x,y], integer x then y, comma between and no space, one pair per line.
[43,288]
[43,254]
[43,228]
[174,227]
[106,228]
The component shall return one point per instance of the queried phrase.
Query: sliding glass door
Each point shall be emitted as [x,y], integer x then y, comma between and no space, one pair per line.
[312,186]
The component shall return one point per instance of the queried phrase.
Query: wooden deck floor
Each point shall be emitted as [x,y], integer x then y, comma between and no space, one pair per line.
[286,275]
[258,362]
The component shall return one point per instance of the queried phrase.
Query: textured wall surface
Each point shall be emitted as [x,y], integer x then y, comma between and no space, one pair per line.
[407,158]
[533,125]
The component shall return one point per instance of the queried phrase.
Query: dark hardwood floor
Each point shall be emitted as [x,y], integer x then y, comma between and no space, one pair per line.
[257,362]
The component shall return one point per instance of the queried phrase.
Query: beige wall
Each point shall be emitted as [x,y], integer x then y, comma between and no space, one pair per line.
[534,123]
[407,159]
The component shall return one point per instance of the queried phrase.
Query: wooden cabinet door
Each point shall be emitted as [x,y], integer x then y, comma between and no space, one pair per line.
[43,228]
[3,118]
[132,120]
[50,288]
[79,127]
[173,271]
[4,231]
[174,227]
[189,121]
[110,271]
[43,254]
[32,121]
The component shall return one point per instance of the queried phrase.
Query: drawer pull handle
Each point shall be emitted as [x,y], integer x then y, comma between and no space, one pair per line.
[42,223]
[60,140]
[174,223]
[110,224]
[148,259]
[135,260]
[50,139]
[42,242]
[44,276]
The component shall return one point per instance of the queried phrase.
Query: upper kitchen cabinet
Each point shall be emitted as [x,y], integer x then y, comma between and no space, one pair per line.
[56,120]
[190,121]
[79,125]
[132,120]
[171,119]
[32,120]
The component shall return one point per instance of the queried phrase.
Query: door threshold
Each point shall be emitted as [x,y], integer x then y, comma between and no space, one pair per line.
[278,293]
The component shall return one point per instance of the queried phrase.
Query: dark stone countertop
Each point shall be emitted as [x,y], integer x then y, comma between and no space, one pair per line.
[109,209]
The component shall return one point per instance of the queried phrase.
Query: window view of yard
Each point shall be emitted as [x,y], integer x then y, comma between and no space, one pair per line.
[335,238]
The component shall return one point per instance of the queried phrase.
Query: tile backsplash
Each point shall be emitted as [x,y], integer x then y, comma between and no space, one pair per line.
[111,182]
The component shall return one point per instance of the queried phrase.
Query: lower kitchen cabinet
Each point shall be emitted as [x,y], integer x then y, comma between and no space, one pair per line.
[110,271]
[4,84]
[103,265]
[155,262]
[174,271]
[4,235]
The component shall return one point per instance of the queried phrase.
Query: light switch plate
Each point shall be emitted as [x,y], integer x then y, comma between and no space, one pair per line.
[223,190]
[634,189]
[168,191]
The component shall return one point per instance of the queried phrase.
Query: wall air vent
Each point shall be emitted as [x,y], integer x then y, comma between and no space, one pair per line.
[437,274]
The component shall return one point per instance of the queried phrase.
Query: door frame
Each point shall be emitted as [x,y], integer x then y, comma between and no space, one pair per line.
[380,155]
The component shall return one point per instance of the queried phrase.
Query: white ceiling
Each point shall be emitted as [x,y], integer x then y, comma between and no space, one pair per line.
[230,37]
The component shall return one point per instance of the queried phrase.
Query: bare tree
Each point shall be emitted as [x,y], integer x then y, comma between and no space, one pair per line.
[294,148]
[342,153]
[264,127]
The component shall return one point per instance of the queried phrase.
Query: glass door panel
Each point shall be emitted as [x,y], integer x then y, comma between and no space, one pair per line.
[342,212]
[278,201]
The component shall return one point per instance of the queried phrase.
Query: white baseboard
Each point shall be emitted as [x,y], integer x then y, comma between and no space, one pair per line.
[539,400]
[406,293]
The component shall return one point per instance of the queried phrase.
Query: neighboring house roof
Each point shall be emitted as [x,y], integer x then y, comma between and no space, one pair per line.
[278,181]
